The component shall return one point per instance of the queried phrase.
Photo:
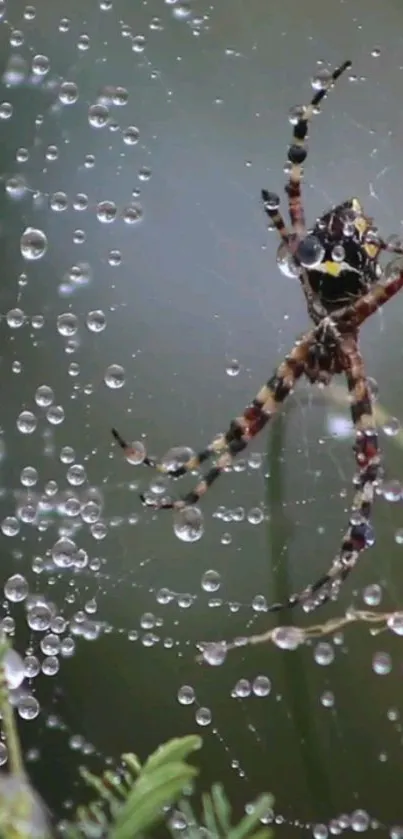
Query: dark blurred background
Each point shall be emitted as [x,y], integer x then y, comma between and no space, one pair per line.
[136,137]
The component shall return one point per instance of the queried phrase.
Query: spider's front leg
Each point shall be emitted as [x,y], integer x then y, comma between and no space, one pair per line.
[297,151]
[241,430]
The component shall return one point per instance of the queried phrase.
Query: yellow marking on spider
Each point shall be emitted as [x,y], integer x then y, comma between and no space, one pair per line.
[332,268]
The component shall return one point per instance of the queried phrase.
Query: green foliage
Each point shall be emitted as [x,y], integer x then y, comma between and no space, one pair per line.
[129,805]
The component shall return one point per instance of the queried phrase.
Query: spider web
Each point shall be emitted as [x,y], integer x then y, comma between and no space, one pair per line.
[136,142]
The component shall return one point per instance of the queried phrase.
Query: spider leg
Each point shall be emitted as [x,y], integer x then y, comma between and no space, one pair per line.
[242,429]
[297,153]
[271,207]
[358,535]
[350,318]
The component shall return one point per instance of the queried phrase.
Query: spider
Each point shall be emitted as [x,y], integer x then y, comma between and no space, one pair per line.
[336,263]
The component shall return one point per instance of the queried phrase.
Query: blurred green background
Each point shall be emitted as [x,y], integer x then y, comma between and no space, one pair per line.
[185,275]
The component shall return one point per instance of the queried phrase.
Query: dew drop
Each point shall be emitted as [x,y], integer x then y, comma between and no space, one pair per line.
[188,524]
[211,581]
[33,243]
[382,663]
[186,695]
[203,716]
[16,588]
[114,376]
[261,686]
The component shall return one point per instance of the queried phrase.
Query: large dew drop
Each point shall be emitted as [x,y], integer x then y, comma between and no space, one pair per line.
[188,524]
[33,243]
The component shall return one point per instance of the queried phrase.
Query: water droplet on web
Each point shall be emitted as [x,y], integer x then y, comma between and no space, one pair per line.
[288,637]
[33,243]
[96,320]
[10,526]
[323,653]
[16,187]
[211,581]
[382,663]
[233,368]
[375,52]
[50,666]
[391,491]
[320,831]
[15,318]
[114,258]
[67,324]
[132,214]
[68,93]
[286,262]
[391,427]
[372,595]
[138,43]
[58,202]
[255,515]
[106,212]
[242,689]
[261,686]
[186,695]
[271,200]
[188,524]
[39,617]
[181,11]
[321,79]
[214,653]
[395,623]
[259,603]
[31,666]
[327,699]
[114,376]
[98,115]
[16,588]
[203,716]
[131,135]
[28,707]
[176,457]
[26,422]
[296,113]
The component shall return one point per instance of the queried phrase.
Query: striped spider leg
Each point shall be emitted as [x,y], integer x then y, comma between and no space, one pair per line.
[301,247]
[358,535]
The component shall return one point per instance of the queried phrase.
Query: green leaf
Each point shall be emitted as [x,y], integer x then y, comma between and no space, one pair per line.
[247,824]
[174,751]
[222,807]
[151,792]
[209,815]
[132,762]
[263,833]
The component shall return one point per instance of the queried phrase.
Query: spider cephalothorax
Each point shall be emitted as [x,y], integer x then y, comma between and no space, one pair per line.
[336,263]
[350,247]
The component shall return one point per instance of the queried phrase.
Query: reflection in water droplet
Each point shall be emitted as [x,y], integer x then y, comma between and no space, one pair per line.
[203,716]
[33,243]
[114,376]
[188,524]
